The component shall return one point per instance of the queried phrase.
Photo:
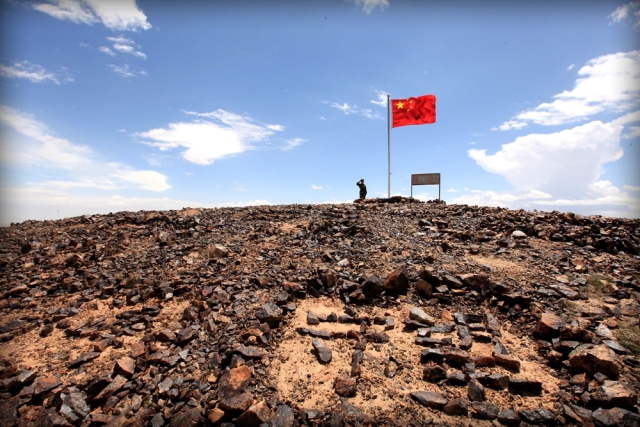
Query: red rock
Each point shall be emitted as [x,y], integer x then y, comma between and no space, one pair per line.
[345,386]
[240,402]
[397,281]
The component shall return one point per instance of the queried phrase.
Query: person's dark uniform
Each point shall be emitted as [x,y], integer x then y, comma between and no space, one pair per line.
[363,189]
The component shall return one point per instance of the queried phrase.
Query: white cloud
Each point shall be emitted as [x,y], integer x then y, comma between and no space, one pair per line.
[77,162]
[214,136]
[382,98]
[20,204]
[277,128]
[125,48]
[621,13]
[370,114]
[291,143]
[353,109]
[472,143]
[633,132]
[32,72]
[570,67]
[609,83]
[452,190]
[106,50]
[562,163]
[239,187]
[345,108]
[126,72]
[631,187]
[121,15]
[316,187]
[369,5]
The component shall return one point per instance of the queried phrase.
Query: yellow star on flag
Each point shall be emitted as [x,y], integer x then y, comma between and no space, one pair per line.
[400,104]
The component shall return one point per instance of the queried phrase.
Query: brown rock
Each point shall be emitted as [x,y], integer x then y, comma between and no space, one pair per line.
[125,366]
[614,393]
[238,403]
[548,326]
[430,399]
[595,359]
[507,361]
[345,386]
[475,391]
[457,406]
[397,281]
[45,384]
[257,414]
[215,415]
[484,362]
[233,382]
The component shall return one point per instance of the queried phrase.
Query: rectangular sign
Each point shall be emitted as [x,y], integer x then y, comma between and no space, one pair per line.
[425,179]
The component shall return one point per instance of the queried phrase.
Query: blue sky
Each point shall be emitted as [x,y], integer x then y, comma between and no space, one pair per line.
[129,105]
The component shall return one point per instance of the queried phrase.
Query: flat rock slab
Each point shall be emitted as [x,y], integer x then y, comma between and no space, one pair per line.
[430,399]
[126,366]
[525,387]
[84,358]
[595,359]
[239,403]
[323,353]
[485,410]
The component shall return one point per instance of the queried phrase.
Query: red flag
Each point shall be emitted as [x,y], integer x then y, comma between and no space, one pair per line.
[413,111]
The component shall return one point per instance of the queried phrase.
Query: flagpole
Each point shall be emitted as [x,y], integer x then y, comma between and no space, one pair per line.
[388,147]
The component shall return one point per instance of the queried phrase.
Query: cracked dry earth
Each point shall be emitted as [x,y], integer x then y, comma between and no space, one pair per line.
[388,312]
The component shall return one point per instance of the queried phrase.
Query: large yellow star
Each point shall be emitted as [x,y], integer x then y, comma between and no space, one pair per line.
[400,104]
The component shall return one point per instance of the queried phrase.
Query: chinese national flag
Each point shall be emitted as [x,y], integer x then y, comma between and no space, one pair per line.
[413,111]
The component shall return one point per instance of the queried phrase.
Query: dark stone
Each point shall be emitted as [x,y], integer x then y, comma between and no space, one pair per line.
[456,356]
[283,417]
[345,386]
[496,381]
[269,313]
[485,410]
[475,391]
[9,412]
[312,319]
[233,382]
[434,373]
[617,417]
[539,416]
[431,355]
[238,403]
[83,358]
[525,387]
[188,418]
[429,398]
[457,406]
[548,326]
[373,286]
[45,384]
[509,417]
[420,316]
[466,343]
[508,362]
[397,281]
[458,378]
[323,353]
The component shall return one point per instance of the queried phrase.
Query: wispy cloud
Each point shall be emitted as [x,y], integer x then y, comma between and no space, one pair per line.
[126,71]
[622,12]
[345,108]
[382,98]
[212,136]
[353,109]
[609,83]
[316,187]
[369,5]
[32,72]
[77,163]
[292,143]
[123,45]
[120,15]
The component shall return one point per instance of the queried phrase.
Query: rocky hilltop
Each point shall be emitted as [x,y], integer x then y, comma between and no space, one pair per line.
[388,312]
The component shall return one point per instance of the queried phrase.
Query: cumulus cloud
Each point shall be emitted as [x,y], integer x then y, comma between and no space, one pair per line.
[212,136]
[32,72]
[609,83]
[119,15]
[78,163]
[622,12]
[562,163]
[369,5]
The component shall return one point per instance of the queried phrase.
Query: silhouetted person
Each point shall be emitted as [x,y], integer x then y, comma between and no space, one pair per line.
[363,189]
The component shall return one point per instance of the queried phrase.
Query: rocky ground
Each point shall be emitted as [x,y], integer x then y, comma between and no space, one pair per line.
[389,312]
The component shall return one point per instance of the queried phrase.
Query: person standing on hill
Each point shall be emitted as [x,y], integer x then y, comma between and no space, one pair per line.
[363,189]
